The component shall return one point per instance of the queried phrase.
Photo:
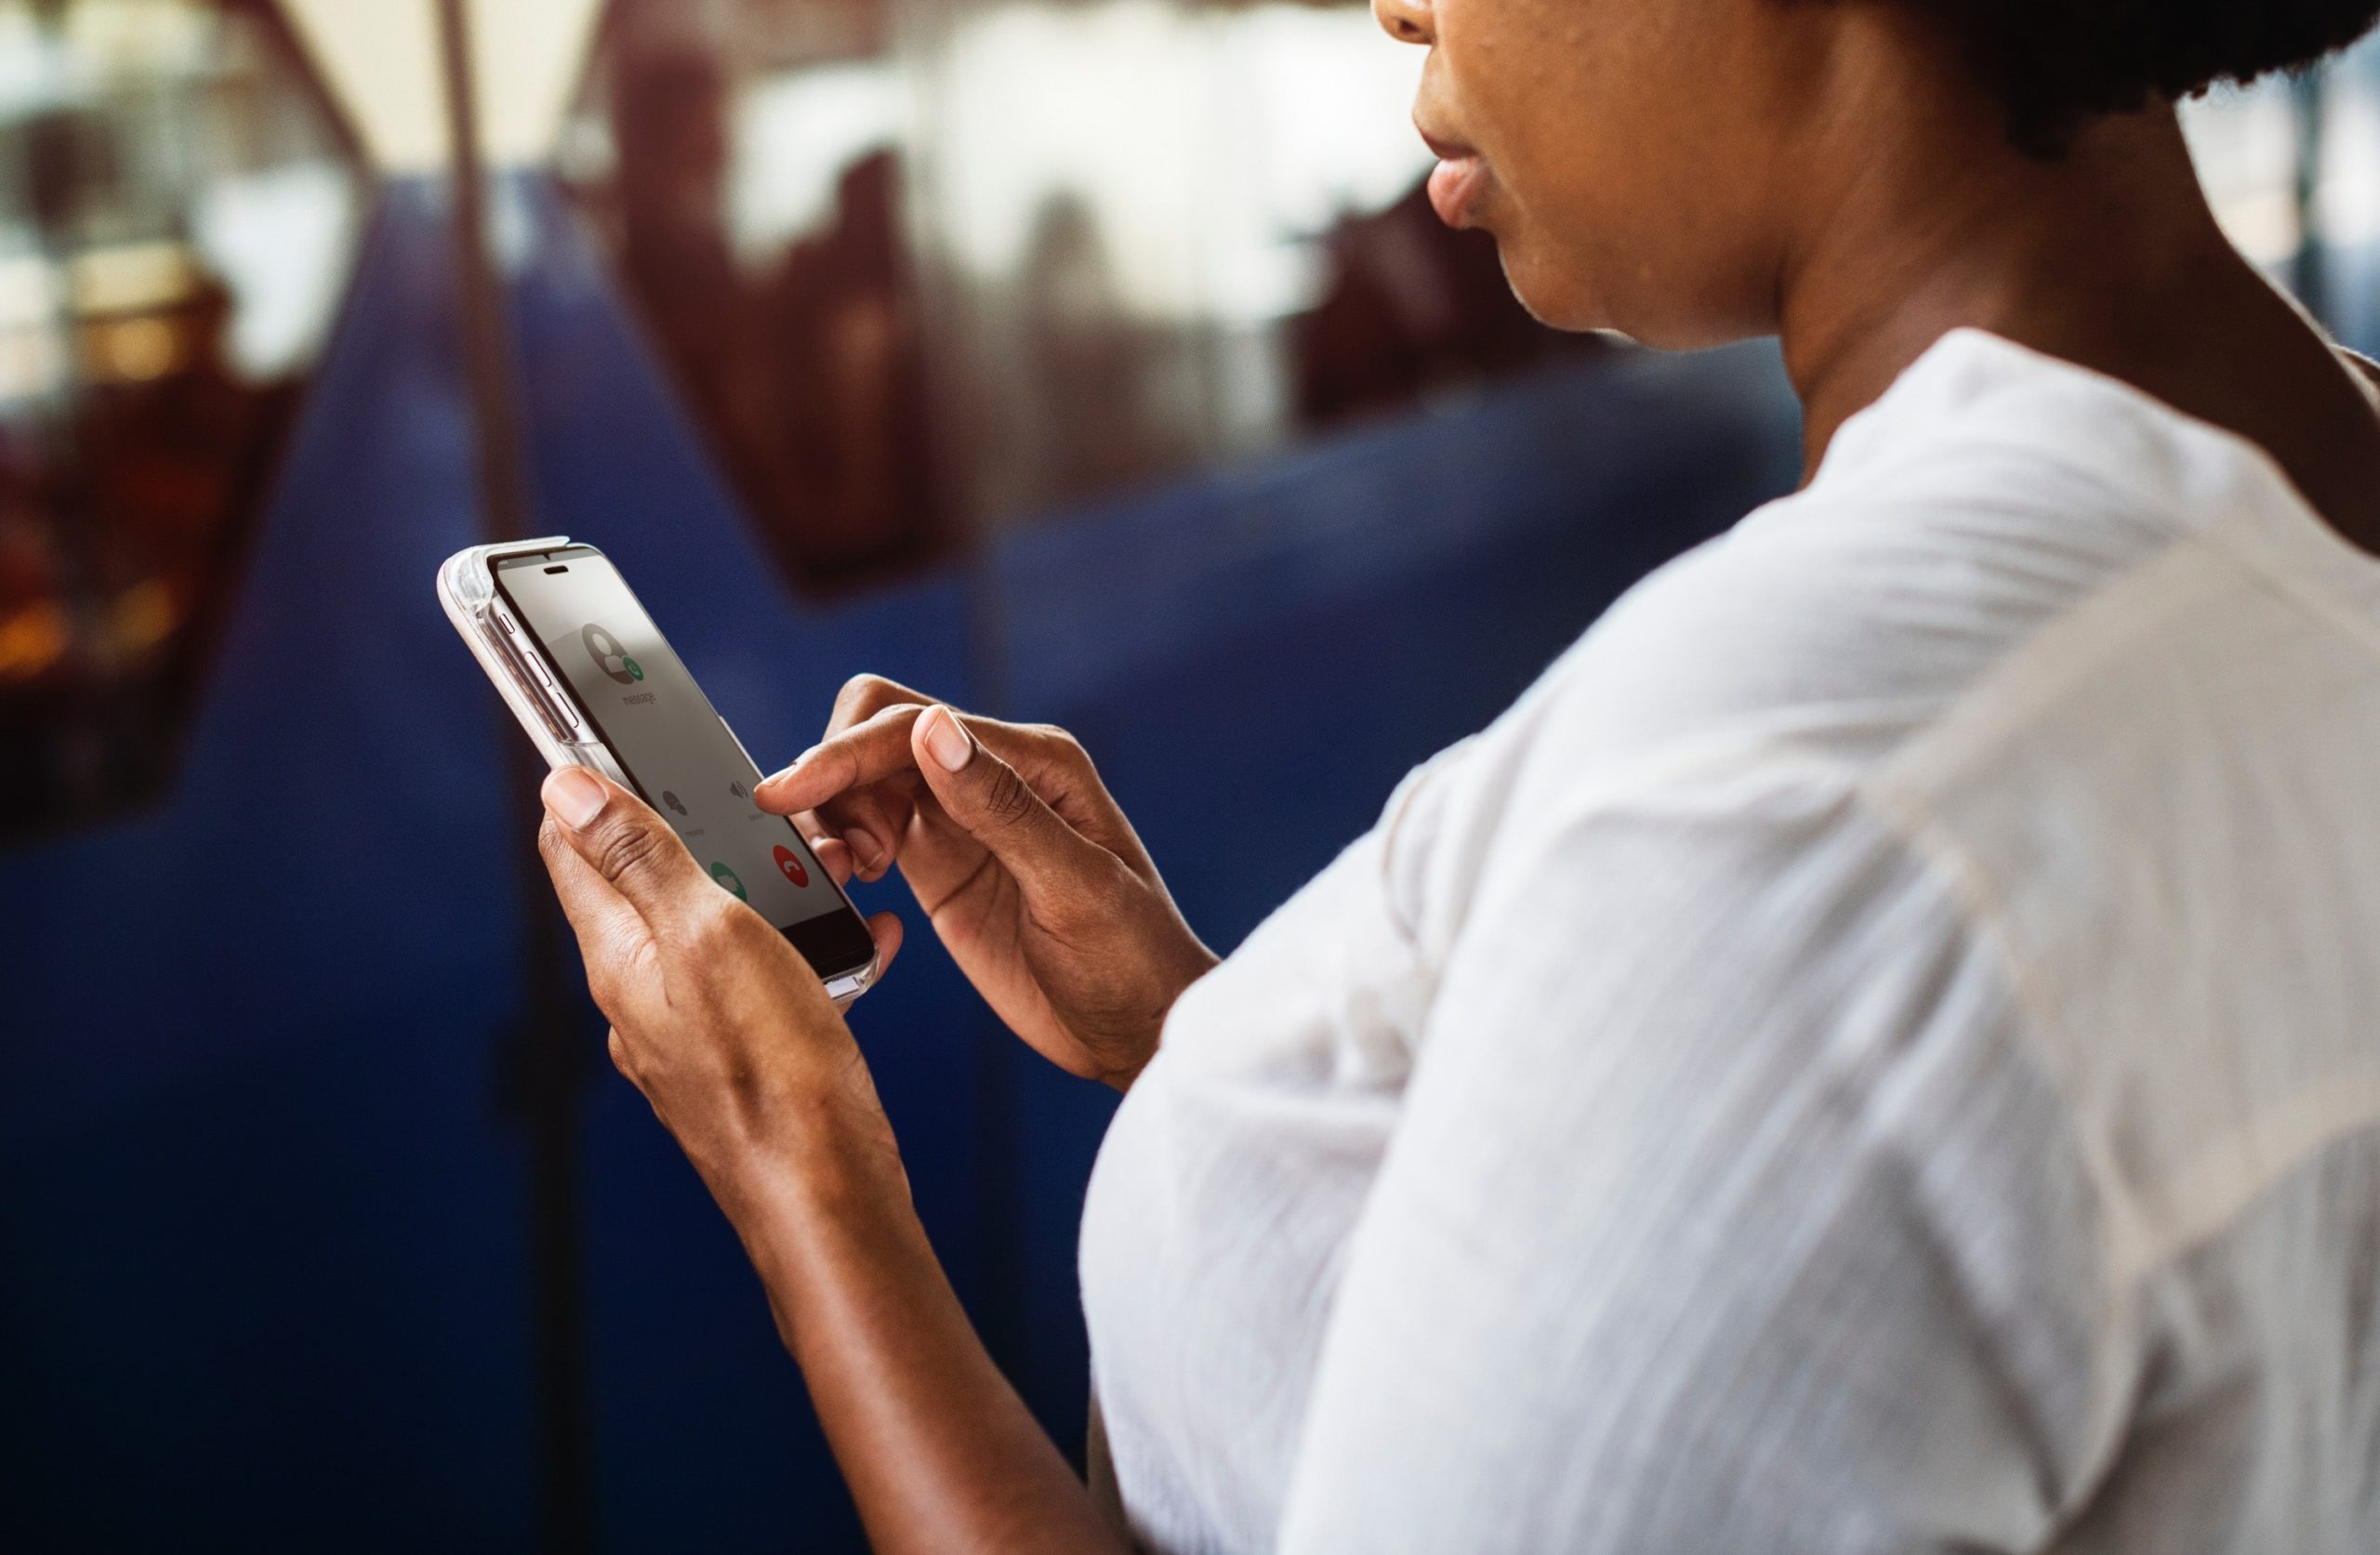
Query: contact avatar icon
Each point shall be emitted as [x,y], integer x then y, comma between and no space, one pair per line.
[609,656]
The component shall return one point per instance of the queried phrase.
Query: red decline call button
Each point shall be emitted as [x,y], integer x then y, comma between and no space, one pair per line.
[790,866]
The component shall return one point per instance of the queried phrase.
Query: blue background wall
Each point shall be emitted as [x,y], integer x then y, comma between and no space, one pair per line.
[263,1277]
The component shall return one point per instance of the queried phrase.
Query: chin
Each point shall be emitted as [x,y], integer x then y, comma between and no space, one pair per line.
[1564,298]
[1592,290]
[1553,294]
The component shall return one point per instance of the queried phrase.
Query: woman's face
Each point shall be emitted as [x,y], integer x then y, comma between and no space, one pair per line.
[1635,158]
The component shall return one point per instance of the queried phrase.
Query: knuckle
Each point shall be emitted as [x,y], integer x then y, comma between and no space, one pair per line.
[603,987]
[1058,747]
[626,849]
[719,936]
[716,924]
[1070,751]
[1008,800]
[862,695]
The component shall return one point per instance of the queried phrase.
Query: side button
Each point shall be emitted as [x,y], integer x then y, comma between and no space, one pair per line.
[554,697]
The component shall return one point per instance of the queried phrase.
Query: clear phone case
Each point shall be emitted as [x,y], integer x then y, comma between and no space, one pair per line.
[467,590]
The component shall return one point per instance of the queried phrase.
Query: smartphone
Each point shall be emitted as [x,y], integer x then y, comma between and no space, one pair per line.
[596,685]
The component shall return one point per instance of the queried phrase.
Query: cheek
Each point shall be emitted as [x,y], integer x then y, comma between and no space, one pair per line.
[1627,151]
[1584,236]
[1561,129]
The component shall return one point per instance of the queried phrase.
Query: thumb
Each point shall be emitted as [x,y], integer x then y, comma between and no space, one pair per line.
[986,799]
[630,847]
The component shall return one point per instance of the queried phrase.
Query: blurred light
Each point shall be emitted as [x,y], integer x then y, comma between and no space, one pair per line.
[381,58]
[32,639]
[278,237]
[31,365]
[2292,168]
[133,39]
[2245,142]
[177,210]
[131,277]
[133,350]
[2348,205]
[531,55]
[28,293]
[922,269]
[143,616]
[801,131]
[1209,143]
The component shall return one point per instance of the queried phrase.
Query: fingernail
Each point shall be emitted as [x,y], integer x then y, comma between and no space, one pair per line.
[948,743]
[863,847]
[574,796]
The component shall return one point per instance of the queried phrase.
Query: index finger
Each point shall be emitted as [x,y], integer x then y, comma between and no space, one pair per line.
[868,752]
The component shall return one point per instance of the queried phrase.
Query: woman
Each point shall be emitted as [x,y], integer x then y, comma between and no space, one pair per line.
[1874,1052]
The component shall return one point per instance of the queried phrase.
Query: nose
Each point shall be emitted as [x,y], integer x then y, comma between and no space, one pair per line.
[1406,20]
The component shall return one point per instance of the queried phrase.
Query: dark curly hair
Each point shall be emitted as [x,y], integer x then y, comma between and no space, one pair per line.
[2057,63]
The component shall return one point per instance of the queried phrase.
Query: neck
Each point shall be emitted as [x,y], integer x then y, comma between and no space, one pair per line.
[2108,257]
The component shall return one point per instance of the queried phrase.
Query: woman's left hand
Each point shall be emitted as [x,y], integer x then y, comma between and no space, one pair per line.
[717,1019]
[730,1036]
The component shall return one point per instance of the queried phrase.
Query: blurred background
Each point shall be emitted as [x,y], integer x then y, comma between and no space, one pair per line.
[1092,360]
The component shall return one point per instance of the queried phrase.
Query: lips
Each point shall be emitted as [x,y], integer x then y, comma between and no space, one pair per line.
[1457,181]
[1454,188]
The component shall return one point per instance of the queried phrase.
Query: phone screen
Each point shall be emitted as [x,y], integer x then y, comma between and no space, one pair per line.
[644,705]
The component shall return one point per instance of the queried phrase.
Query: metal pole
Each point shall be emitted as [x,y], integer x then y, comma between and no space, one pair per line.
[548,1059]
[480,296]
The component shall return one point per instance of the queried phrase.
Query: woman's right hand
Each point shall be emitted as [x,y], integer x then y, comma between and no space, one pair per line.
[1024,865]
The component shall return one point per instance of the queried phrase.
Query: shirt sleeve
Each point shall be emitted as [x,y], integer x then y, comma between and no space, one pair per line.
[1729,1210]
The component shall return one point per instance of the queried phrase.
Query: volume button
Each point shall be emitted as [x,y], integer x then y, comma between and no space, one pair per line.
[554,697]
[529,670]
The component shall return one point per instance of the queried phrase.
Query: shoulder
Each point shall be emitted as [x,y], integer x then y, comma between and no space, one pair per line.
[1832,630]
[1989,493]
[1843,620]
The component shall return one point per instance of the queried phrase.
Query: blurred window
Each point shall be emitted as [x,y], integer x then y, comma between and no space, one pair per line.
[2292,167]
[921,269]
[743,162]
[177,214]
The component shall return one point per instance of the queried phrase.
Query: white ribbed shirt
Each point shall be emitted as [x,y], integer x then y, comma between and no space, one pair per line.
[1879,1050]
